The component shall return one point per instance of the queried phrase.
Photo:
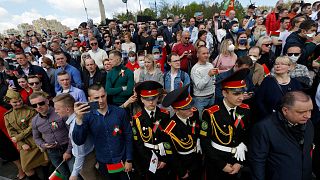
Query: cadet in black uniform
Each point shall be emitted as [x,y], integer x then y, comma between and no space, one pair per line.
[224,130]
[184,132]
[152,147]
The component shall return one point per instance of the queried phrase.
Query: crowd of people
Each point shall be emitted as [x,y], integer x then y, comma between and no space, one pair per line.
[215,98]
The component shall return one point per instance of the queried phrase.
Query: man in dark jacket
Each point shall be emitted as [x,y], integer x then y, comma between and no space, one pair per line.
[305,38]
[92,75]
[281,143]
[26,68]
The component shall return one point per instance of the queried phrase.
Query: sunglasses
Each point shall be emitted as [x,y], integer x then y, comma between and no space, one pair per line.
[42,103]
[267,44]
[187,38]
[295,54]
[93,44]
[34,83]
[117,42]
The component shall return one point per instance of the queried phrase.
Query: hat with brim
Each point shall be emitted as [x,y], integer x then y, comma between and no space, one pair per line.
[235,81]
[179,99]
[148,90]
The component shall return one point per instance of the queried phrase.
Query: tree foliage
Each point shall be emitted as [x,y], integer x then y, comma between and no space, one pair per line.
[164,9]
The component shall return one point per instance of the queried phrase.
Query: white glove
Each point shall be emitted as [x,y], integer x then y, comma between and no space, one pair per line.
[124,88]
[161,149]
[240,153]
[199,150]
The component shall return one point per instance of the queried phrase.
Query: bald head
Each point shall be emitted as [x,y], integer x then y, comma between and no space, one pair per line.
[90,65]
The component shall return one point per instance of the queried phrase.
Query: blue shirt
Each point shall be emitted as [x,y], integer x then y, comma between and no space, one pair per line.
[74,75]
[178,81]
[79,152]
[112,134]
[76,93]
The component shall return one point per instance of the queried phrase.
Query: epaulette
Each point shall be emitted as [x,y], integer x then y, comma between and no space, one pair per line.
[164,111]
[170,126]
[213,109]
[245,106]
[138,114]
[10,110]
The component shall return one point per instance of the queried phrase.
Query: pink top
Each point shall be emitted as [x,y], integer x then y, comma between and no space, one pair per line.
[224,63]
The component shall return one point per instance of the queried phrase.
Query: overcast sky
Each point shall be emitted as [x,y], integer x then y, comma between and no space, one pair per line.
[71,12]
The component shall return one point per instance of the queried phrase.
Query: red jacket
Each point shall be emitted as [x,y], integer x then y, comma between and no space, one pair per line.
[272,23]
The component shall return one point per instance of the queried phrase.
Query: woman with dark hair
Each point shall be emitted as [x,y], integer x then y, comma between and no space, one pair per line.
[242,45]
[132,63]
[25,91]
[31,58]
[107,46]
[48,67]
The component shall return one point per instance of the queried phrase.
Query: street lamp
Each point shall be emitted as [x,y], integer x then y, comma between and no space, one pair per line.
[126,1]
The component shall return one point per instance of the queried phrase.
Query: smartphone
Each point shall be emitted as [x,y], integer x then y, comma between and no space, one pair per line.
[94,105]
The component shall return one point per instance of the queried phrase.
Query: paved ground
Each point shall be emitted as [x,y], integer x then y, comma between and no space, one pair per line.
[7,170]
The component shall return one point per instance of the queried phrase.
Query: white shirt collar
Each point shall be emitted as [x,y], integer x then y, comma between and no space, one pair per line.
[229,108]
[148,112]
[184,121]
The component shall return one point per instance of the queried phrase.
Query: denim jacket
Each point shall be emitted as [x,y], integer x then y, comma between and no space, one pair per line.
[177,80]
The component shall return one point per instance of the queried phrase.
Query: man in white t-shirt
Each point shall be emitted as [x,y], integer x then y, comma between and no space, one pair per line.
[203,77]
[96,53]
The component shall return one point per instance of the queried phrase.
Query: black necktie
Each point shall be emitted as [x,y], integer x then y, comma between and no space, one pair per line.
[152,116]
[188,122]
[231,113]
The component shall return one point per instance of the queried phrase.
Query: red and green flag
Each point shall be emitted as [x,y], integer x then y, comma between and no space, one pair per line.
[228,6]
[56,176]
[115,168]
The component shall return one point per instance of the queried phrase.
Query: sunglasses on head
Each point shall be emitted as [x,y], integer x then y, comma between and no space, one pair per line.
[93,44]
[34,83]
[295,54]
[42,103]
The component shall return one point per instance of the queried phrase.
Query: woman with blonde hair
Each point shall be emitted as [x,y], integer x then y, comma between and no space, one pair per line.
[267,56]
[151,72]
[227,58]
[274,87]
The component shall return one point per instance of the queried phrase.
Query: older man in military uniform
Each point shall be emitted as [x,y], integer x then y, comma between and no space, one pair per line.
[224,130]
[152,148]
[184,132]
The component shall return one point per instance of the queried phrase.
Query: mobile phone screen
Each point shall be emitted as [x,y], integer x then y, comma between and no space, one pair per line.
[94,105]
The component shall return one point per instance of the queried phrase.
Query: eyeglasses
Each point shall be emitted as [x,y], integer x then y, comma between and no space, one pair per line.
[42,103]
[177,60]
[34,83]
[93,44]
[187,38]
[267,44]
[295,54]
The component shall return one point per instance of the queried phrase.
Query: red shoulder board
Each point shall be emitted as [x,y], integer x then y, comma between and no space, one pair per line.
[213,109]
[138,114]
[170,126]
[245,106]
[164,111]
